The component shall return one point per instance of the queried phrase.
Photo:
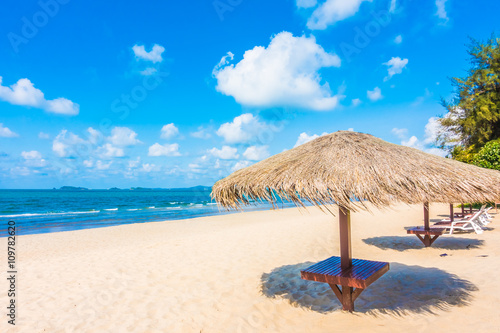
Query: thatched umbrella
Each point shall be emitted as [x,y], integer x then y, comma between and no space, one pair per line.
[352,169]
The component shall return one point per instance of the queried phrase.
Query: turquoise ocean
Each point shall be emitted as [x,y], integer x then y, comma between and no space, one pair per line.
[46,211]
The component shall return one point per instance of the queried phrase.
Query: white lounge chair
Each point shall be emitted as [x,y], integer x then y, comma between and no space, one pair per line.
[467,215]
[471,224]
[485,218]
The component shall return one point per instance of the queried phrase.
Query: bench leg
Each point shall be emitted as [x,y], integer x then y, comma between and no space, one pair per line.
[421,239]
[427,239]
[347,301]
[346,296]
[431,240]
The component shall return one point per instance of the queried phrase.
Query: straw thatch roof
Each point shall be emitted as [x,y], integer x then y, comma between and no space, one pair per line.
[341,166]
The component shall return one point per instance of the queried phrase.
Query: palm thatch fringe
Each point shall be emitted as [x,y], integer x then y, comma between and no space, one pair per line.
[343,166]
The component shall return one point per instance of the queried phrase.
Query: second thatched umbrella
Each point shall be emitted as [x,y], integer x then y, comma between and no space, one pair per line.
[352,169]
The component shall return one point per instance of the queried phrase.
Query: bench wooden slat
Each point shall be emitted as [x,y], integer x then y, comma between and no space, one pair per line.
[422,231]
[361,274]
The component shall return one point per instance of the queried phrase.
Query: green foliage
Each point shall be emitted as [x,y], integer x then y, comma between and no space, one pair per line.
[473,116]
[488,156]
[462,154]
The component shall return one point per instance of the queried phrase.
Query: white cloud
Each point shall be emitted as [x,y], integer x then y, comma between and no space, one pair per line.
[400,132]
[392,6]
[243,129]
[134,163]
[31,155]
[67,144]
[33,159]
[164,150]
[123,136]
[24,93]
[94,135]
[109,151]
[398,39]
[88,163]
[226,153]
[304,137]
[196,168]
[148,71]
[396,65]
[285,74]
[432,130]
[20,171]
[100,165]
[375,94]
[62,106]
[43,135]
[149,167]
[201,133]
[441,11]
[5,132]
[306,3]
[332,11]
[412,142]
[63,144]
[256,153]
[169,131]
[154,55]
[240,165]
[356,102]
[436,151]
[450,134]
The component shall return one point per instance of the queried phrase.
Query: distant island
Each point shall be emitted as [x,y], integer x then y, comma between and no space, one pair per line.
[71,188]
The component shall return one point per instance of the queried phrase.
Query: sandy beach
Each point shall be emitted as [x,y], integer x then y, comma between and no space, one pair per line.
[241,273]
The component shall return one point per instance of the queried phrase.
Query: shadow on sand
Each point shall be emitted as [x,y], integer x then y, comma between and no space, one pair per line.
[402,290]
[402,243]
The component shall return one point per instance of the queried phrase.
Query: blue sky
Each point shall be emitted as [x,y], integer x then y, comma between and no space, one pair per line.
[173,93]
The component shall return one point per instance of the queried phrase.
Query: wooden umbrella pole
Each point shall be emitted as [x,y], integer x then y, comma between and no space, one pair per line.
[427,235]
[346,256]
[345,238]
[452,214]
[426,216]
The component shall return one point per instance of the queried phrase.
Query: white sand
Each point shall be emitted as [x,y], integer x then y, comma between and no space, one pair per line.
[240,273]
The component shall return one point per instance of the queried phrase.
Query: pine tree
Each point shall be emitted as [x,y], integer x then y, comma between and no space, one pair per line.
[473,116]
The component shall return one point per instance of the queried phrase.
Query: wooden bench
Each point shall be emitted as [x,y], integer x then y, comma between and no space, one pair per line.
[359,275]
[429,235]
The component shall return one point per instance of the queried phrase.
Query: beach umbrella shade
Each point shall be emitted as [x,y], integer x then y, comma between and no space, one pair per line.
[352,170]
